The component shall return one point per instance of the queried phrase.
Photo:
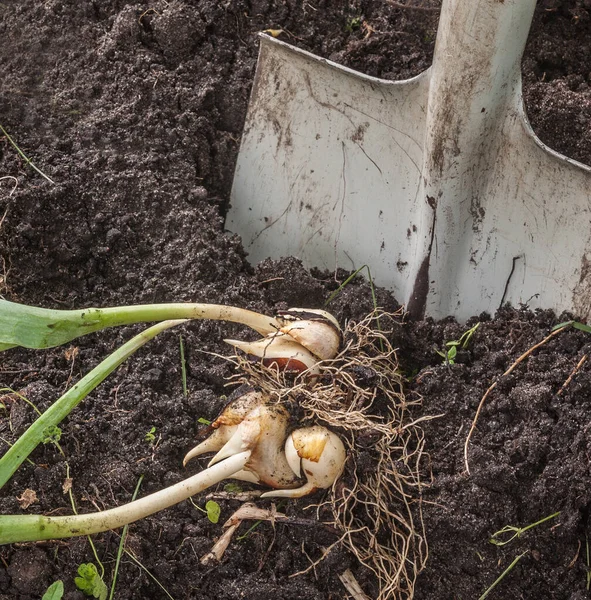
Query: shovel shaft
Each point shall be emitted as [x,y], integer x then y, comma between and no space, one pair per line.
[475,82]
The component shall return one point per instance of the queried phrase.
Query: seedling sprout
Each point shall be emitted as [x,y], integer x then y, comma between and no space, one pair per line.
[90,582]
[150,437]
[213,511]
[449,355]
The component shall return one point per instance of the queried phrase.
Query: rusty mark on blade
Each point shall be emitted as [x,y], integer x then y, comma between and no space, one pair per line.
[582,291]
[417,302]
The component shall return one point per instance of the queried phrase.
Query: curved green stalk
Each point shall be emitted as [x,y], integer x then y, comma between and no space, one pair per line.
[33,327]
[29,528]
[62,407]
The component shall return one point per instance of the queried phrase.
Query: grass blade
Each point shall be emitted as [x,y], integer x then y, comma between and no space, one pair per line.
[62,407]
[23,155]
[183,367]
[502,576]
[33,327]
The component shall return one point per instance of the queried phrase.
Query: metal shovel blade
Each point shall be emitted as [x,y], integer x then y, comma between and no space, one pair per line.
[437,183]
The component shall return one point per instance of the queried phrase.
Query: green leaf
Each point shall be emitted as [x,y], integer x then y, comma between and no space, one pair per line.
[90,582]
[452,353]
[574,325]
[203,421]
[213,511]
[55,591]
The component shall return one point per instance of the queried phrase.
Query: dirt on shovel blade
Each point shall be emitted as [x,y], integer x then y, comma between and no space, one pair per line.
[134,110]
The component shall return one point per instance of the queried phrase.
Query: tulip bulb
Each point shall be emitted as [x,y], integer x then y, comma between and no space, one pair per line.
[305,337]
[280,350]
[316,330]
[319,453]
[262,432]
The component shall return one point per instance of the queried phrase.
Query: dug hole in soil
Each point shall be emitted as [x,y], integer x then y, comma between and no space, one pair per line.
[135,111]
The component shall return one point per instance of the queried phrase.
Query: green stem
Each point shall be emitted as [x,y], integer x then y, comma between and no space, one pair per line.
[183,367]
[62,407]
[75,511]
[33,327]
[502,576]
[29,528]
[122,543]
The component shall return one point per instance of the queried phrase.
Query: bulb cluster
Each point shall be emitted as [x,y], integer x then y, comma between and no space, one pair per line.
[295,464]
[304,460]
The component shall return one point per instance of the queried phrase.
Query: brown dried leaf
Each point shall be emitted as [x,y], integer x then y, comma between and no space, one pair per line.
[67,485]
[27,498]
[71,353]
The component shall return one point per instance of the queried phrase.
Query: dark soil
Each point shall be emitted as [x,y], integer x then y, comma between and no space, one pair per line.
[135,110]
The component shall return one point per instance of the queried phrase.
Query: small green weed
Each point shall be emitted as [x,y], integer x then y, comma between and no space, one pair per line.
[353,24]
[450,353]
[212,510]
[90,582]
[232,488]
[52,435]
[150,437]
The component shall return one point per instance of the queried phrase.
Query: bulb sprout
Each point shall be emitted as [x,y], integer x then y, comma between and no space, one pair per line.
[227,423]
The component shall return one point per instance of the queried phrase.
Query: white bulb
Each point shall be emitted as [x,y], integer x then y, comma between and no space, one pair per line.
[322,456]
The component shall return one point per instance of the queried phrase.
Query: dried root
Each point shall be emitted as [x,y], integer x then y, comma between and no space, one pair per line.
[376,505]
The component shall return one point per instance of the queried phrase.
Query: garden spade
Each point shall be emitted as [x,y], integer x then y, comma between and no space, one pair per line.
[437,183]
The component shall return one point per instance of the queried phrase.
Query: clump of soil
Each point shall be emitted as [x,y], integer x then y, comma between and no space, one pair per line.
[135,110]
